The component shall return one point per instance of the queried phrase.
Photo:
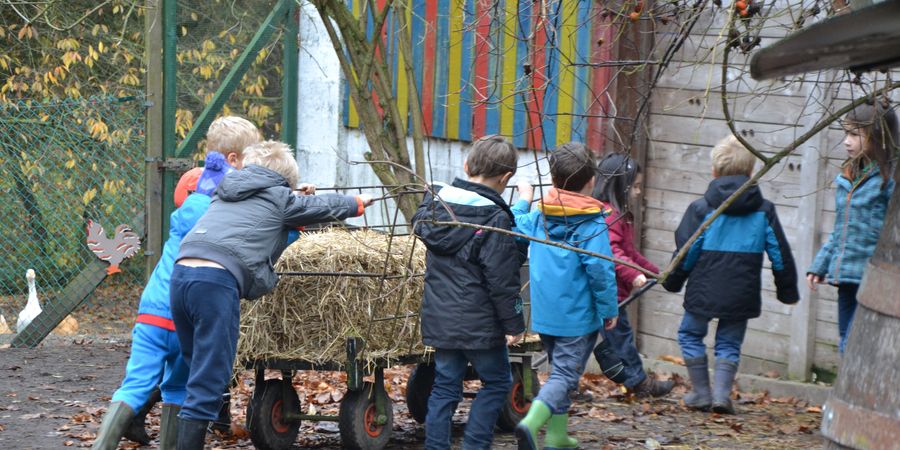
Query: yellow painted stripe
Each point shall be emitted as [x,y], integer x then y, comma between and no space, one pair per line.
[508,84]
[354,115]
[454,77]
[565,102]
[402,82]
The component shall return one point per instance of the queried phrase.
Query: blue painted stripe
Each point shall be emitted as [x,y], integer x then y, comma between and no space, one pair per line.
[582,73]
[442,69]
[467,82]
[520,121]
[551,95]
[417,31]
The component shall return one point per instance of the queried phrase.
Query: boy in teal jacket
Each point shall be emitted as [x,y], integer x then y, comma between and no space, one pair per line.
[573,294]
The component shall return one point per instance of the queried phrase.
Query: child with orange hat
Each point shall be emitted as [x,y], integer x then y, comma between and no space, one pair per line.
[155,352]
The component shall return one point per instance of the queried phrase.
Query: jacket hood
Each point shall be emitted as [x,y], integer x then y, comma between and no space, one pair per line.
[470,202]
[721,188]
[562,203]
[565,211]
[243,183]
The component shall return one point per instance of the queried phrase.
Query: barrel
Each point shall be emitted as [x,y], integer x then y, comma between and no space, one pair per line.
[863,410]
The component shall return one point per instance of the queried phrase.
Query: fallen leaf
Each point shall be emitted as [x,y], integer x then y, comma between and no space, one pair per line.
[672,359]
[737,427]
[814,410]
[239,431]
[323,398]
[652,444]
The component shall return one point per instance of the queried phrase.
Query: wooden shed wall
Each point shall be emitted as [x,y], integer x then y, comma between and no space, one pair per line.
[686,120]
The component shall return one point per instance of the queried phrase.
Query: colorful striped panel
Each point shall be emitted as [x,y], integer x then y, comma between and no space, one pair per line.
[470,58]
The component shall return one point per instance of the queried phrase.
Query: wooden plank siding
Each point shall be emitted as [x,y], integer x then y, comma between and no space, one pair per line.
[686,121]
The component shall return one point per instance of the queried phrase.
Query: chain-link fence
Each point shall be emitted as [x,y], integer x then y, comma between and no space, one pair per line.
[64,163]
[210,39]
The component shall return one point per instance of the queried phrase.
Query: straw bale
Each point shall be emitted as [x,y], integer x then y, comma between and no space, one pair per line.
[309,317]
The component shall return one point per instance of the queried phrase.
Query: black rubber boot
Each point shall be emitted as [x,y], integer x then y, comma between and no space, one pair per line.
[137,429]
[724,379]
[191,434]
[113,425]
[168,426]
[699,398]
[223,422]
[653,388]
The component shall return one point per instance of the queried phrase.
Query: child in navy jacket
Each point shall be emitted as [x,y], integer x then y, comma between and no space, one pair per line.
[722,270]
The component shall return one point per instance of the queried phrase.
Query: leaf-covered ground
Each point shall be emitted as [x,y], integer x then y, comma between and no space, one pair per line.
[54,396]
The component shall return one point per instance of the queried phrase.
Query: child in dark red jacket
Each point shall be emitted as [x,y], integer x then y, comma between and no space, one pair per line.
[619,181]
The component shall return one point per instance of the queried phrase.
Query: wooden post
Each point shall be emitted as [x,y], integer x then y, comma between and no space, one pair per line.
[153,32]
[631,91]
[801,349]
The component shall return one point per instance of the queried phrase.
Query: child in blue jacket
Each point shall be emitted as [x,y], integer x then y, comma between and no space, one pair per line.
[861,199]
[573,295]
[155,353]
[723,273]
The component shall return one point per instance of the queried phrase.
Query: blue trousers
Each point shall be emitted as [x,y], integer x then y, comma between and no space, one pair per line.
[155,355]
[729,337]
[846,311]
[568,358]
[621,338]
[450,368]
[206,310]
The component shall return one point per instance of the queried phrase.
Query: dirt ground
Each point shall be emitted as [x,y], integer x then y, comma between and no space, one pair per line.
[53,396]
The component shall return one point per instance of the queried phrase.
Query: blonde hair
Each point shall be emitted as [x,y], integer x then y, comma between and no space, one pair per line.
[730,157]
[275,156]
[231,134]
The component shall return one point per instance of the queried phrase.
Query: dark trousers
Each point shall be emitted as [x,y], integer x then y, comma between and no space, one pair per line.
[206,309]
[846,311]
[621,339]
[493,369]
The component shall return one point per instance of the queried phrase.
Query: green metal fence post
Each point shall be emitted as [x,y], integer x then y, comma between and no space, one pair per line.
[289,78]
[230,82]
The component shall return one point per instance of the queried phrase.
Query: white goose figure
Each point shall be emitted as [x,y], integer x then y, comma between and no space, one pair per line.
[32,308]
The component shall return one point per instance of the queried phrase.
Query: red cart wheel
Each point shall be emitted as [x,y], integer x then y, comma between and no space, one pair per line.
[265,416]
[517,405]
[359,423]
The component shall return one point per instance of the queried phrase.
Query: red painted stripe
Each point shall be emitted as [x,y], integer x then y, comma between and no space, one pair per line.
[599,104]
[482,64]
[156,321]
[428,72]
[538,80]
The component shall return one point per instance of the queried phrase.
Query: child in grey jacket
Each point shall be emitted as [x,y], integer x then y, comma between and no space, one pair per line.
[229,255]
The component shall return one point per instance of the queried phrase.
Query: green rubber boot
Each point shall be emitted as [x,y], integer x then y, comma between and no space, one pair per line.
[113,425]
[557,436]
[527,429]
[168,426]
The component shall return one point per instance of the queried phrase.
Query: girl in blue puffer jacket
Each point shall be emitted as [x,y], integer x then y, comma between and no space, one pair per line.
[861,201]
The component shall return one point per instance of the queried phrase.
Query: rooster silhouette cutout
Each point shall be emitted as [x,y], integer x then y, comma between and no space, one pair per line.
[124,244]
